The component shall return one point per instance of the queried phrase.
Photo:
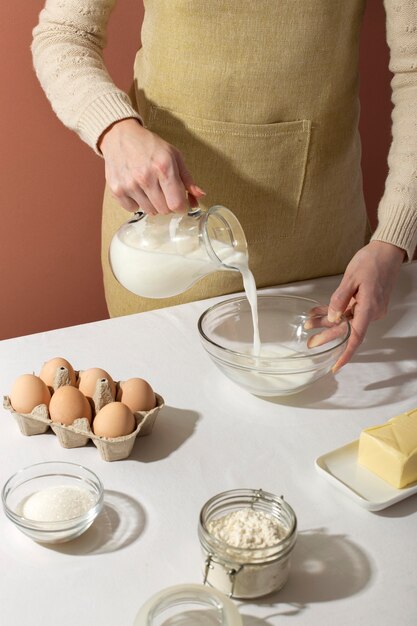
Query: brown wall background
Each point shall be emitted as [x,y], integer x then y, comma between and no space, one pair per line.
[51,183]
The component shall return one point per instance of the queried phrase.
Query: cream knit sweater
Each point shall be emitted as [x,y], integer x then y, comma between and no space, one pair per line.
[67,51]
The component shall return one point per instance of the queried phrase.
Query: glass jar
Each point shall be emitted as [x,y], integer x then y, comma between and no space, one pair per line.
[188,605]
[158,256]
[247,572]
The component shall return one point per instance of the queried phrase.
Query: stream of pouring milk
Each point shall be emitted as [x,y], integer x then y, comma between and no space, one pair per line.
[239,260]
[250,290]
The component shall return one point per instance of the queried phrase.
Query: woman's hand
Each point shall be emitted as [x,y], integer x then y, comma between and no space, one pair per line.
[145,172]
[364,291]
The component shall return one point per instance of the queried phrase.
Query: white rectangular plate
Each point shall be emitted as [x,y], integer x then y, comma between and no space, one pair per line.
[341,468]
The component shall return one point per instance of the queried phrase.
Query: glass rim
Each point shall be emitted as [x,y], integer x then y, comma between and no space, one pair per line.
[53,525]
[273,359]
[219,208]
[275,551]
[188,593]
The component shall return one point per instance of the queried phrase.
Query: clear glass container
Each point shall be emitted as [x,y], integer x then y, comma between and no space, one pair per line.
[188,605]
[33,479]
[247,572]
[163,255]
[288,362]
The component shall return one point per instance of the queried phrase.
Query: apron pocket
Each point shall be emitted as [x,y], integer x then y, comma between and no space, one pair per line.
[256,170]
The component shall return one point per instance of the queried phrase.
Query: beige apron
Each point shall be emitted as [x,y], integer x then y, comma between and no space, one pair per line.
[261,98]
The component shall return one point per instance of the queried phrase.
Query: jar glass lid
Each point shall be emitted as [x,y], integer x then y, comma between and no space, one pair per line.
[188,605]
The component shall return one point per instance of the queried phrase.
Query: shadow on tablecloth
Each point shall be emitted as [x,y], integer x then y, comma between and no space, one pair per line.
[324,568]
[121,521]
[173,427]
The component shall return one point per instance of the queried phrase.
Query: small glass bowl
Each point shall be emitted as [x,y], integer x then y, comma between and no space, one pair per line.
[34,478]
[288,362]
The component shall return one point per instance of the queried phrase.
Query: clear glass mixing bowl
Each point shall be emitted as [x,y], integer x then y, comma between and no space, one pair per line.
[286,363]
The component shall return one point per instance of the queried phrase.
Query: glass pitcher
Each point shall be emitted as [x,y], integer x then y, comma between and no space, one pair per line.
[163,255]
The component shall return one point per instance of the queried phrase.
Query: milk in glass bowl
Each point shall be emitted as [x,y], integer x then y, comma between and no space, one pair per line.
[284,364]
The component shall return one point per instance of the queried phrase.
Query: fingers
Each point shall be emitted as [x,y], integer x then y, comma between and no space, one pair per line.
[155,198]
[341,298]
[339,303]
[167,184]
[127,203]
[326,335]
[364,292]
[329,331]
[318,310]
[136,201]
[192,201]
[144,171]
[185,175]
[148,186]
[194,191]
[161,191]
[359,325]
[171,186]
[317,319]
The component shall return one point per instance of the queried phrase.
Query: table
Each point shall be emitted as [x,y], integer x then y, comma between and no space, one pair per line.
[350,566]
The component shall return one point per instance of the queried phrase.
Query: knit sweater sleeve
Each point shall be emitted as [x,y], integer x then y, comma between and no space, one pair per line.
[67,51]
[397,211]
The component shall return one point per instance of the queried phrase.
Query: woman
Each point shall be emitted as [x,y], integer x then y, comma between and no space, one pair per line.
[254,106]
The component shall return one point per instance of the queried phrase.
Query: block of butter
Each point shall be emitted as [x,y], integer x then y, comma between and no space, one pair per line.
[390,450]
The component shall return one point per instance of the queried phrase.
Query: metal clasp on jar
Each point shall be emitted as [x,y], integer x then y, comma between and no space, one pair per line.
[231,572]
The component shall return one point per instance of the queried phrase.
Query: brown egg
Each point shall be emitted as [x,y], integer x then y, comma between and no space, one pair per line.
[27,392]
[48,371]
[88,380]
[137,394]
[68,404]
[115,419]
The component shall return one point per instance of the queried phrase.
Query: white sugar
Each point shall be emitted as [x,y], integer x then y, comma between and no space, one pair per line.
[55,504]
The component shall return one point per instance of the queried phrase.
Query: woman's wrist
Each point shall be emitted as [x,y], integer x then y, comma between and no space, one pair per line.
[388,250]
[116,130]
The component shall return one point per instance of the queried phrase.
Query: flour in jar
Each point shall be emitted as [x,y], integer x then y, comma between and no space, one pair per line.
[252,562]
[247,528]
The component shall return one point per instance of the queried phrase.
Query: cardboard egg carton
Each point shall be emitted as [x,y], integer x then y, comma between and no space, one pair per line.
[79,433]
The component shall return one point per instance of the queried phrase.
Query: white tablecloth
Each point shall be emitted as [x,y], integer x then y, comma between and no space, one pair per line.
[350,566]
